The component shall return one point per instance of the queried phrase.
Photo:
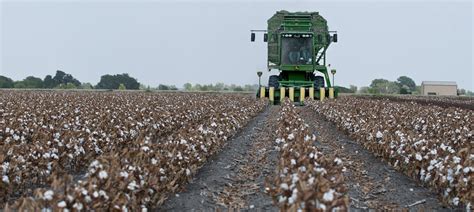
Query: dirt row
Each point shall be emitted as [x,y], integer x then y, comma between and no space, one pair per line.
[234,178]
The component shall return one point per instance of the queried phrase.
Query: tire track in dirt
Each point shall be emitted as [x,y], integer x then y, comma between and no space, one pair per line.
[372,183]
[234,178]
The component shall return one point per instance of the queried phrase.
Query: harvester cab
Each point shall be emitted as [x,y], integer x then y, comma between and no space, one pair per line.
[297,44]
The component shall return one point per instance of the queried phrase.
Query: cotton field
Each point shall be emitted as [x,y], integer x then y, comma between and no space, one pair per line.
[429,143]
[140,151]
[92,150]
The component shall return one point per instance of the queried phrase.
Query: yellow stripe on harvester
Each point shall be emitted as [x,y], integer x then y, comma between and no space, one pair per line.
[282,93]
[292,94]
[262,92]
[311,93]
[322,93]
[302,89]
[270,94]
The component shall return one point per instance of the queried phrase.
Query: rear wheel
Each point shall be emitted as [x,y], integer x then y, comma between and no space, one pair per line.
[273,81]
[318,82]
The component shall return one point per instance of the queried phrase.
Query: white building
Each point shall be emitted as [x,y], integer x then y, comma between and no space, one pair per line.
[439,88]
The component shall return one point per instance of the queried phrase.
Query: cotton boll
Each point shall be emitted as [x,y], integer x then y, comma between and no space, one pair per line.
[291,136]
[62,204]
[5,179]
[103,174]
[48,195]
[379,135]
[418,157]
[329,195]
[338,161]
[284,186]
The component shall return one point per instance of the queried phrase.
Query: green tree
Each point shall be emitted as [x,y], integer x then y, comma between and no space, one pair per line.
[188,86]
[364,90]
[61,77]
[163,87]
[66,86]
[342,89]
[122,87]
[408,82]
[31,82]
[113,81]
[19,84]
[383,86]
[238,88]
[353,88]
[49,82]
[86,86]
[6,82]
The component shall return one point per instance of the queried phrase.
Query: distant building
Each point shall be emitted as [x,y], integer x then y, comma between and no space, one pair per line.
[439,88]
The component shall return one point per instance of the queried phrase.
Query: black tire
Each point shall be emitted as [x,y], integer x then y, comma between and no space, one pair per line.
[318,82]
[273,81]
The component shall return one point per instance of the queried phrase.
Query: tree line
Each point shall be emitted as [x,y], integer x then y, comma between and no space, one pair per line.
[63,80]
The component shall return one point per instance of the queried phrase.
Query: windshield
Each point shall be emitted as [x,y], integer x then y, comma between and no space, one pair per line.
[296,51]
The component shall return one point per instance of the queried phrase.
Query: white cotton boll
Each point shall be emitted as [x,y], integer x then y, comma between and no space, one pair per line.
[145,148]
[48,195]
[183,141]
[62,204]
[379,135]
[456,159]
[293,162]
[95,194]
[132,185]
[320,170]
[302,168]
[5,179]
[162,171]
[281,199]
[338,161]
[213,124]
[294,179]
[311,155]
[291,136]
[103,194]
[456,201]
[329,195]
[311,180]
[418,157]
[284,186]
[188,172]
[154,161]
[103,174]
[78,206]
[466,170]
[123,174]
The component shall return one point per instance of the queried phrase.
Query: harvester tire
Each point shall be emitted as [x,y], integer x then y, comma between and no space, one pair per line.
[273,81]
[318,82]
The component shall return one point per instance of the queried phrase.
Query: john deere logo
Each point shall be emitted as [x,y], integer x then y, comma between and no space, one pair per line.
[297,67]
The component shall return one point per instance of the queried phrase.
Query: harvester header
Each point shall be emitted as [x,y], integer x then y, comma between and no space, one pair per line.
[297,44]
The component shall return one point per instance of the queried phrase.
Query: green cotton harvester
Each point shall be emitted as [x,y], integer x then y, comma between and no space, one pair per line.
[297,44]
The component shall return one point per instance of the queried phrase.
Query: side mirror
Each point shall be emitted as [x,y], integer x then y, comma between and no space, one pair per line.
[265,37]
[334,38]
[252,37]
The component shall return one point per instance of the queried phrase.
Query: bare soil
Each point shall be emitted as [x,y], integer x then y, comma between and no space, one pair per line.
[234,178]
[372,183]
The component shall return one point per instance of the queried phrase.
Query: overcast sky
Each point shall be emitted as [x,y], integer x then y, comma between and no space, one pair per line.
[207,42]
